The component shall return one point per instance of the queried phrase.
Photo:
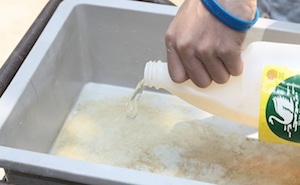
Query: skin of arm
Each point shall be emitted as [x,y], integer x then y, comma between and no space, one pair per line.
[201,48]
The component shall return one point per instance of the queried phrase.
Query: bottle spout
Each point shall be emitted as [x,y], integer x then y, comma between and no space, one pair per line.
[151,72]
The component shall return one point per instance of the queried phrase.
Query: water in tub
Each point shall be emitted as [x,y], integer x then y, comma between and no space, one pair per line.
[170,137]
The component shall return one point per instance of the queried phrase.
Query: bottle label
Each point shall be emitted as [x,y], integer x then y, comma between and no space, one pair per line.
[279,118]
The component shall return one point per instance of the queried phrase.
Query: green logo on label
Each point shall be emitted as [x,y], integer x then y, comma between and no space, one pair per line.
[282,112]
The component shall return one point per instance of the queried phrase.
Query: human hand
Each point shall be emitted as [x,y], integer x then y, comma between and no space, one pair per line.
[202,48]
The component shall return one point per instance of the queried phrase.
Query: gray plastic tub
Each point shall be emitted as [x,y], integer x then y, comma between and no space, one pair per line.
[99,42]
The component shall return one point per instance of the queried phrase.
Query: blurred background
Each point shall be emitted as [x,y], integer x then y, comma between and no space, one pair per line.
[16,16]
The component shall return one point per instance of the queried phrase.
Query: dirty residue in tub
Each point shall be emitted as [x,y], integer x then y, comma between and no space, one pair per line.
[169,137]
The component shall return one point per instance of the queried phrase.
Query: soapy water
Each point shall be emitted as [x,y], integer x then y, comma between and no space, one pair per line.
[169,137]
[131,107]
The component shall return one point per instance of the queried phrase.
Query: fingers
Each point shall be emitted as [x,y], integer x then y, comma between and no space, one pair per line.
[203,68]
[175,65]
[216,69]
[197,71]
[183,65]
[232,61]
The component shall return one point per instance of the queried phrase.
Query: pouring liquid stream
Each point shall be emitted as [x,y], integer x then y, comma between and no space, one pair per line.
[131,107]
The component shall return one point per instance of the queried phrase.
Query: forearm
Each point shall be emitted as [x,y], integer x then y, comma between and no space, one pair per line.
[243,9]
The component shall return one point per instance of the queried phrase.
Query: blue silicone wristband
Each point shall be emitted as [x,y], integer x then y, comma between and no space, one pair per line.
[228,19]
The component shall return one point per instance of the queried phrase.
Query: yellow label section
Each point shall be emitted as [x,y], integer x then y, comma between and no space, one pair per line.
[279,106]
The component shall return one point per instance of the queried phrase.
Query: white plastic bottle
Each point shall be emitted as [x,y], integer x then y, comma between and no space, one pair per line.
[239,99]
